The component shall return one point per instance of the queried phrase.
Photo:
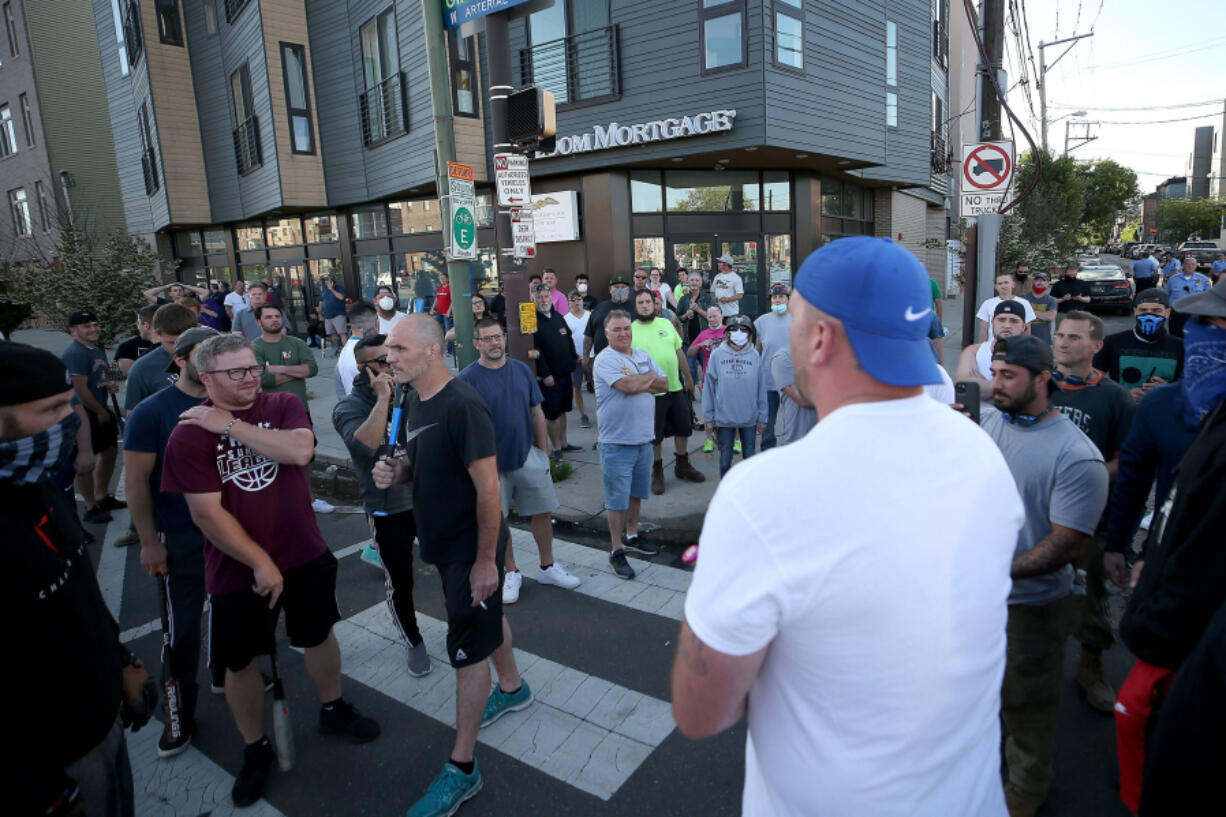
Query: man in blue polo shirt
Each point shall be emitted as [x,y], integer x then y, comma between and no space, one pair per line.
[1215,272]
[1180,284]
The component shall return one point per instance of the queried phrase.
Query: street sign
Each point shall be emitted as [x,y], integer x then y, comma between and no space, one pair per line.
[511,179]
[527,317]
[458,12]
[522,235]
[1153,230]
[987,171]
[463,212]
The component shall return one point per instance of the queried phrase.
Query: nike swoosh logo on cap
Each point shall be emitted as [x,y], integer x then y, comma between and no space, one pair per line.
[913,316]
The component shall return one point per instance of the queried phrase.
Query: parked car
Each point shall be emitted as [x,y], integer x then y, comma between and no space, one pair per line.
[1110,287]
[1205,252]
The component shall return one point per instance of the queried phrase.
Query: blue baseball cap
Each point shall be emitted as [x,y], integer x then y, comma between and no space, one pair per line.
[880,292]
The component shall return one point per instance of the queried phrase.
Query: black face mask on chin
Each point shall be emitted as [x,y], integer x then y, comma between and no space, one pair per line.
[645,318]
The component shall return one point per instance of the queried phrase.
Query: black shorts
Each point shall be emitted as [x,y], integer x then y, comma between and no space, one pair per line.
[558,398]
[241,626]
[672,416]
[473,632]
[102,437]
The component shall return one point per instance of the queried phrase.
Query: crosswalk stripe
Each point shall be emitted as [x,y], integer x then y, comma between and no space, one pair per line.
[112,562]
[182,786]
[583,730]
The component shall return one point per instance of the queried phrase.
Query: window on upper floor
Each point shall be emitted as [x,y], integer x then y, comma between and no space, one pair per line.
[247,151]
[170,29]
[940,32]
[44,206]
[233,9]
[19,205]
[148,158]
[297,98]
[789,34]
[27,119]
[573,51]
[891,53]
[8,134]
[210,18]
[463,74]
[10,27]
[382,103]
[117,17]
[133,35]
[721,34]
[891,109]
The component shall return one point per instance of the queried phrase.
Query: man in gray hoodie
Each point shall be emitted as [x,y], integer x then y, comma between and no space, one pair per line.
[362,420]
[734,393]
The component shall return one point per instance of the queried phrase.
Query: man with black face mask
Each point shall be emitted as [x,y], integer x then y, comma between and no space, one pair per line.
[594,340]
[73,758]
[1146,356]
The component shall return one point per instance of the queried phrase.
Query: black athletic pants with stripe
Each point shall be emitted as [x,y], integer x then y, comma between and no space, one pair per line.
[185,583]
[394,535]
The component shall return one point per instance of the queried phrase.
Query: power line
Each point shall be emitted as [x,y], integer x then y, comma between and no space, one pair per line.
[1183,53]
[1144,107]
[1158,121]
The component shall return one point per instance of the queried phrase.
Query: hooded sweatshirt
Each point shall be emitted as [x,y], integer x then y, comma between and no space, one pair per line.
[734,392]
[347,418]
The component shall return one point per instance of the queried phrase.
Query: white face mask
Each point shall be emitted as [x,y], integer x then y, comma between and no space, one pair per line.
[386,303]
[739,337]
[581,287]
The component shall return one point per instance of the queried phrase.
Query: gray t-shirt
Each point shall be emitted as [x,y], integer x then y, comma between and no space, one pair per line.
[1062,480]
[793,421]
[624,419]
[246,323]
[150,374]
[725,285]
[89,362]
[773,335]
[1043,305]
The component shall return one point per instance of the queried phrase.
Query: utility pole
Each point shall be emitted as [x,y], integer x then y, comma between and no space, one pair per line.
[1043,66]
[993,23]
[459,273]
[1072,141]
[987,226]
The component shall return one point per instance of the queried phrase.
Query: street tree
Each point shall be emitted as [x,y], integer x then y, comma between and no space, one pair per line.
[1108,188]
[1181,219]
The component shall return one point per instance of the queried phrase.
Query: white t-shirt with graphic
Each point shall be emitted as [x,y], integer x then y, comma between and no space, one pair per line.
[883,605]
[724,285]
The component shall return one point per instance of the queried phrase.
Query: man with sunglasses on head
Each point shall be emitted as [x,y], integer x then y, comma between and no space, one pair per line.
[362,420]
[241,460]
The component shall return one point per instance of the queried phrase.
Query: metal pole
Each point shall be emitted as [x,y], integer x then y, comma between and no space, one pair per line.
[459,273]
[510,270]
[1043,97]
[970,288]
[994,44]
[989,237]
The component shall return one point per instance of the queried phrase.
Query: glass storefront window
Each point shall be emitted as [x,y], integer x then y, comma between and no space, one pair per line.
[285,232]
[252,272]
[645,193]
[250,237]
[744,263]
[728,191]
[321,229]
[779,259]
[417,279]
[218,274]
[291,278]
[318,268]
[649,252]
[485,210]
[214,241]
[374,271]
[407,217]
[832,198]
[187,244]
[776,191]
[369,222]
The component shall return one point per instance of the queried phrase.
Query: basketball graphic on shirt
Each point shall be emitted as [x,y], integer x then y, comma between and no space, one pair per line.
[245,468]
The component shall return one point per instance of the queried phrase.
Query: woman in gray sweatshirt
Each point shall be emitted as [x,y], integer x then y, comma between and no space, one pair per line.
[734,392]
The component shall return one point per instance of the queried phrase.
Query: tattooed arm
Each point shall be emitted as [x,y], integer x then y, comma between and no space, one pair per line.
[1060,547]
[710,689]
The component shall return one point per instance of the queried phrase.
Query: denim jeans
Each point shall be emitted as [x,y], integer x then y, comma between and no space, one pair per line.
[772,412]
[725,435]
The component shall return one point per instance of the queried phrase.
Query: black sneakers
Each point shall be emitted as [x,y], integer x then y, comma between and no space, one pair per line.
[97,515]
[168,746]
[110,503]
[257,762]
[344,720]
[640,545]
[620,566]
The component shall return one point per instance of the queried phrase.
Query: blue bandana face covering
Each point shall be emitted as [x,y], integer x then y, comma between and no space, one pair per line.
[1147,326]
[41,455]
[1204,366]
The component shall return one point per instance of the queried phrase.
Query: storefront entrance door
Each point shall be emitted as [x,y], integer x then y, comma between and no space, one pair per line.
[700,252]
[296,294]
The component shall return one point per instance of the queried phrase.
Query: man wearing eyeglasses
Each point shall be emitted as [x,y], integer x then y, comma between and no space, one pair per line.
[240,459]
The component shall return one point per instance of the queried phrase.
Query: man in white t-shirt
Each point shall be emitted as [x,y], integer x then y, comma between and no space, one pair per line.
[1005,282]
[727,287]
[385,305]
[860,624]
[576,318]
[975,362]
[237,300]
[363,321]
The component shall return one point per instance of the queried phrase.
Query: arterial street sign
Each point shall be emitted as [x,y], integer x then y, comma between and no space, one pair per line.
[463,245]
[458,12]
[987,171]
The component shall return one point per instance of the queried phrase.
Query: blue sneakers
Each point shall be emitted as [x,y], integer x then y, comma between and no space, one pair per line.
[448,792]
[370,555]
[500,703]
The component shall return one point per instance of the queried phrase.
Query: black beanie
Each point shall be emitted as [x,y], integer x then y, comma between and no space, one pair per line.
[28,373]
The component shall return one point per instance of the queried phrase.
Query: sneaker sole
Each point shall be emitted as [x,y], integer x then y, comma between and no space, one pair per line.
[552,583]
[468,795]
[429,669]
[620,576]
[639,550]
[178,750]
[519,707]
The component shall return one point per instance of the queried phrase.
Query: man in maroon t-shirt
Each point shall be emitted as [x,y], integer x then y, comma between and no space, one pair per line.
[240,459]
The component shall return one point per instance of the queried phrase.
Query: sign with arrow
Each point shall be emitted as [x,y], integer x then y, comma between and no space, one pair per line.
[511,179]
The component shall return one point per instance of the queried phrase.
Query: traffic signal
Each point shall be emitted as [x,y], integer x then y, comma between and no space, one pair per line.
[531,115]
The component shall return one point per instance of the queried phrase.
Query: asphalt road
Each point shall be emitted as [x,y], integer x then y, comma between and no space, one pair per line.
[563,756]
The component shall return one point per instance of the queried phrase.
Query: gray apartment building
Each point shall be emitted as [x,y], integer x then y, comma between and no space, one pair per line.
[57,163]
[288,139]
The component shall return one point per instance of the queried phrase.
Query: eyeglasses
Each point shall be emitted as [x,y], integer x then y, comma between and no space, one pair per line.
[240,373]
[489,338]
[541,288]
[640,277]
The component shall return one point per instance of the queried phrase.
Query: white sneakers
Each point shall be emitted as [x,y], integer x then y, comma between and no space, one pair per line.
[319,506]
[510,586]
[555,574]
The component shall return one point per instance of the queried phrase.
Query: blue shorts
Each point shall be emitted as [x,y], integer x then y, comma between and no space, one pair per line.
[626,470]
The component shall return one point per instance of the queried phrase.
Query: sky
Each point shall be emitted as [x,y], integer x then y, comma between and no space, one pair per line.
[1144,54]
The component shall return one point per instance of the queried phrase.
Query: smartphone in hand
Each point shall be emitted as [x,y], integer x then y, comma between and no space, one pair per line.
[966,393]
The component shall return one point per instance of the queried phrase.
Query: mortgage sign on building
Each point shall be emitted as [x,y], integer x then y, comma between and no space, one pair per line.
[987,172]
[458,12]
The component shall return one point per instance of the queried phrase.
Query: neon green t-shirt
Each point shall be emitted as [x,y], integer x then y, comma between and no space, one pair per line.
[660,340]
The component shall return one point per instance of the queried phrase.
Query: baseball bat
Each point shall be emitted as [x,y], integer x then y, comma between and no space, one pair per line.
[170,685]
[282,730]
[389,449]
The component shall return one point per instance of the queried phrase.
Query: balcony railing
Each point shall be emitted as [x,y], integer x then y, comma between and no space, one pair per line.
[149,166]
[940,43]
[383,110]
[233,9]
[133,35]
[247,153]
[939,154]
[579,68]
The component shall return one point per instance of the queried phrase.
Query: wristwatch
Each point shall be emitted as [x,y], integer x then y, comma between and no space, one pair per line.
[225,432]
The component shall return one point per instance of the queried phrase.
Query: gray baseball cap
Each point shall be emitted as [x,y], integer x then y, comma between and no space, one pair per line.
[188,340]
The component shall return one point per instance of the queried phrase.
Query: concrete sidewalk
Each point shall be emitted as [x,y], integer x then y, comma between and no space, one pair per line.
[677,515]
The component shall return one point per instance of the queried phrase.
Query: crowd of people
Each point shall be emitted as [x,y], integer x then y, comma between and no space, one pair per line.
[884,659]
